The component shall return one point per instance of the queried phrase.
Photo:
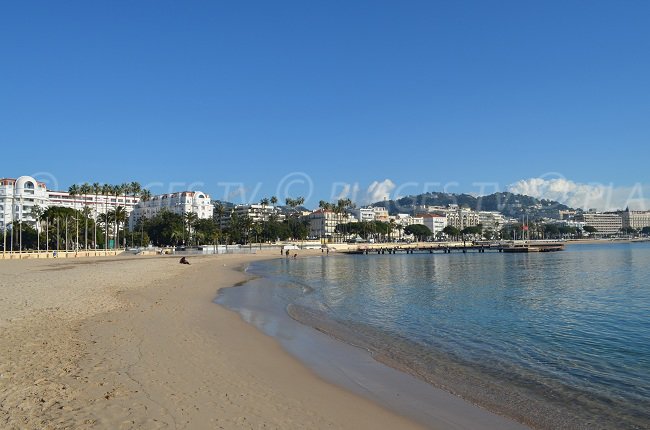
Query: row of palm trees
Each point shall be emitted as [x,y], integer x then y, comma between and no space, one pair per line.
[340,208]
[111,219]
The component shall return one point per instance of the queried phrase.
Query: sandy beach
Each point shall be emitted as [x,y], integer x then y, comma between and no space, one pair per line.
[138,343]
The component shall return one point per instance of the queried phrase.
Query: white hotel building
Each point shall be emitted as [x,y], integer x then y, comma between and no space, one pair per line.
[19,196]
[179,203]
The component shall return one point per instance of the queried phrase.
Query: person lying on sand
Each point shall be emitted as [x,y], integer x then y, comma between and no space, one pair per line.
[184,261]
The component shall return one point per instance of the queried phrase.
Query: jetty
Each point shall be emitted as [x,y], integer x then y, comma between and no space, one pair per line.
[449,247]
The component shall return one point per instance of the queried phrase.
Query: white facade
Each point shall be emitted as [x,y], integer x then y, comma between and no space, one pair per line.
[604,223]
[322,223]
[256,212]
[494,221]
[17,199]
[24,193]
[436,223]
[635,219]
[370,214]
[406,219]
[97,204]
[381,214]
[462,218]
[364,214]
[179,203]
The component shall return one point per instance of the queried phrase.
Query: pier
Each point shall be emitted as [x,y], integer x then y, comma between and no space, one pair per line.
[449,247]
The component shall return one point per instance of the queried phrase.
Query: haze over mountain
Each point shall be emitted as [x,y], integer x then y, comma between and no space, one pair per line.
[509,204]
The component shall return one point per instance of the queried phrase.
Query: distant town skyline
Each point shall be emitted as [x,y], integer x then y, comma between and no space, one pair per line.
[551,187]
[361,99]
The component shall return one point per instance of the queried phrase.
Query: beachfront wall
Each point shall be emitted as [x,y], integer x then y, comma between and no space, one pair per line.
[57,254]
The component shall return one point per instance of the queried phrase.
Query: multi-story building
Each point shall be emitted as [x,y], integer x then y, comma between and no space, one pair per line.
[18,198]
[371,214]
[323,222]
[462,218]
[179,203]
[607,223]
[567,214]
[435,222]
[494,221]
[97,204]
[381,214]
[364,214]
[406,219]
[635,219]
[24,193]
[256,212]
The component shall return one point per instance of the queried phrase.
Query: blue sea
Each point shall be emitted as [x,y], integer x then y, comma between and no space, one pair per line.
[552,340]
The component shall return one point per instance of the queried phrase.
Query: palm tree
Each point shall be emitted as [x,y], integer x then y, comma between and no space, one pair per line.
[126,189]
[116,191]
[219,210]
[74,191]
[264,202]
[341,207]
[97,189]
[145,196]
[107,190]
[85,189]
[37,212]
[118,215]
[190,218]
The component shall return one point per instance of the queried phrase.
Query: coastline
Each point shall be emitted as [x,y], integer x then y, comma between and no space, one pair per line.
[138,343]
[351,365]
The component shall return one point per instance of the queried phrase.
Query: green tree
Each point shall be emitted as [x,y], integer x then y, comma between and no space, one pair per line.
[165,228]
[629,230]
[190,219]
[421,232]
[219,211]
[590,229]
[451,231]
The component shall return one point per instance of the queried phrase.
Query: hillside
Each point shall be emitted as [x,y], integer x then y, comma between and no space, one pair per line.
[509,204]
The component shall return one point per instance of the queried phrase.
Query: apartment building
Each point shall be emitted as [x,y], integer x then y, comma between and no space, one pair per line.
[607,223]
[18,197]
[179,203]
[635,219]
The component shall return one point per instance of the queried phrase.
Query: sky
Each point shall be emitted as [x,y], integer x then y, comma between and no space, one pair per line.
[325,99]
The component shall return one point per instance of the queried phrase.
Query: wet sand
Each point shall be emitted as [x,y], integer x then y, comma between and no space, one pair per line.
[137,342]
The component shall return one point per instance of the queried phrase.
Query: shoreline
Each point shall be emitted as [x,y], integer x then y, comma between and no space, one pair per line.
[354,367]
[139,343]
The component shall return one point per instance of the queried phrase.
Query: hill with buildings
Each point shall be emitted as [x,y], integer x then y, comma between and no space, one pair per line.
[509,204]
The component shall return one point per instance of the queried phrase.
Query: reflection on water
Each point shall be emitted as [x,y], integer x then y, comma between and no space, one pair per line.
[554,339]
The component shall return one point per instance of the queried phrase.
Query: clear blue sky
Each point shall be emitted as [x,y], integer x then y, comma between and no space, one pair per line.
[180,93]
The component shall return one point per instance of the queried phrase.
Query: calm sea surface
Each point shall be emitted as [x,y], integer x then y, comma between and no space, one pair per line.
[555,340]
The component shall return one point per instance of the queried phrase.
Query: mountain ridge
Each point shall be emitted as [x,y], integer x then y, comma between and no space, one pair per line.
[509,204]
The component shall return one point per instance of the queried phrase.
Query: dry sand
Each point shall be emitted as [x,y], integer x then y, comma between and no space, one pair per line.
[138,343]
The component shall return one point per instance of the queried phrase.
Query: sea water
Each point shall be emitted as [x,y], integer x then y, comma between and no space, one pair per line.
[553,340]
